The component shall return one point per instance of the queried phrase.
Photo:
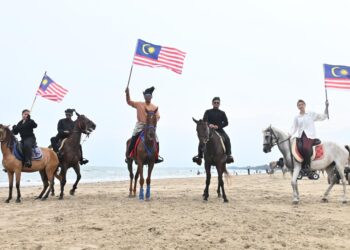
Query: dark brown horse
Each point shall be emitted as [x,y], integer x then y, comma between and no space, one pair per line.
[70,152]
[214,155]
[47,166]
[145,155]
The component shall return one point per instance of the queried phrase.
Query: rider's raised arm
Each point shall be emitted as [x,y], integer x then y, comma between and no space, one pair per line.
[318,117]
[128,100]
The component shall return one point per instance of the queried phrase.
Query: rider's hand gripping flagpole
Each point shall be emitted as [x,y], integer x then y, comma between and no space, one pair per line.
[31,108]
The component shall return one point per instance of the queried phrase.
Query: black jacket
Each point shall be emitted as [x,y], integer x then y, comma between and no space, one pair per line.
[64,125]
[25,129]
[216,117]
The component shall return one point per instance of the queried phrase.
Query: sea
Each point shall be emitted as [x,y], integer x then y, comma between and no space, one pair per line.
[91,174]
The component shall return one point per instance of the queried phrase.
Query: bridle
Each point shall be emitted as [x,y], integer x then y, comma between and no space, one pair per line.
[203,138]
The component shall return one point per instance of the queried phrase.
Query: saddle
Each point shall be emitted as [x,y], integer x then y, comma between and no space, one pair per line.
[141,139]
[317,151]
[37,154]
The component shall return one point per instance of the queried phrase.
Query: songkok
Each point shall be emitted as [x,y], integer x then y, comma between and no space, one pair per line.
[148,91]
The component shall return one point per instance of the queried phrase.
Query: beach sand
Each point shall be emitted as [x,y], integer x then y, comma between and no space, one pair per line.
[259,215]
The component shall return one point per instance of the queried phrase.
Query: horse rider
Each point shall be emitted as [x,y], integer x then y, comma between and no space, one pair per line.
[25,128]
[304,125]
[217,120]
[65,127]
[141,108]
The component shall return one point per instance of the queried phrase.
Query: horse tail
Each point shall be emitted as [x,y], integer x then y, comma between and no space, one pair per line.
[226,175]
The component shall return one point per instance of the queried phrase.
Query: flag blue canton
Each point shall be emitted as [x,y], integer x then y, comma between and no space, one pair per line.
[45,83]
[147,49]
[336,71]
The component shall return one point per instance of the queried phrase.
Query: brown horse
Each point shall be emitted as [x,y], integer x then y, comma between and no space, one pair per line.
[145,155]
[47,166]
[70,152]
[214,155]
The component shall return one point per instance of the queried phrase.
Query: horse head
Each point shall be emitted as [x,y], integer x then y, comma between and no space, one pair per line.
[269,139]
[151,125]
[85,125]
[7,136]
[203,131]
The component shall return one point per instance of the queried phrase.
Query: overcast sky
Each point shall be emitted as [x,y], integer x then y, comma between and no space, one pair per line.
[260,57]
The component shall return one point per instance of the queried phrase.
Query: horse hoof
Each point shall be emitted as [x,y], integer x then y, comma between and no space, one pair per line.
[43,199]
[7,201]
[52,194]
[226,201]
[71,192]
[295,202]
[324,200]
[60,198]
[205,198]
[37,198]
[18,201]
[344,202]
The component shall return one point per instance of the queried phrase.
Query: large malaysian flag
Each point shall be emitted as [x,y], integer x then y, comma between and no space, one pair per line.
[151,55]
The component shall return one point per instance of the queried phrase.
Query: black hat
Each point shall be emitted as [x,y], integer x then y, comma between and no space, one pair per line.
[148,91]
[69,111]
[216,98]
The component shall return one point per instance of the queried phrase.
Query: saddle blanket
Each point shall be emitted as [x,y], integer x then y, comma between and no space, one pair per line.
[317,152]
[37,154]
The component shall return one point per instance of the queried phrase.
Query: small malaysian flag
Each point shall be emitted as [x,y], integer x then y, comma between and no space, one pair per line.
[337,76]
[51,90]
[151,55]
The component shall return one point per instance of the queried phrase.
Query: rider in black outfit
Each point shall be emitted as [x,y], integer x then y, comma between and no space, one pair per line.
[216,119]
[65,127]
[25,128]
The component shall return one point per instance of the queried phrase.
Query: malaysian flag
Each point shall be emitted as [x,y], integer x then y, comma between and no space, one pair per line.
[51,90]
[148,54]
[336,76]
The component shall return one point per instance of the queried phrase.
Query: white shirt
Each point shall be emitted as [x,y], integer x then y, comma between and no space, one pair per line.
[306,123]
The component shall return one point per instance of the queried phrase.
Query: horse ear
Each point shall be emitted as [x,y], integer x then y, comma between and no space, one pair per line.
[195,120]
[76,113]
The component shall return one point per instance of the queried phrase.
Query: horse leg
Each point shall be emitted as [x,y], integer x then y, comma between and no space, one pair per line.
[148,181]
[295,184]
[45,183]
[218,190]
[221,183]
[63,181]
[18,181]
[343,180]
[10,177]
[77,171]
[332,180]
[142,180]
[207,182]
[52,186]
[137,174]
[51,178]
[131,175]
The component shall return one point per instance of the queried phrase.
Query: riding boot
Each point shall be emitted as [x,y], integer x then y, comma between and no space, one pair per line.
[159,158]
[131,146]
[198,158]
[82,159]
[227,142]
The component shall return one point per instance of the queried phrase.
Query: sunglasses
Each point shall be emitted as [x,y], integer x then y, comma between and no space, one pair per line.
[216,102]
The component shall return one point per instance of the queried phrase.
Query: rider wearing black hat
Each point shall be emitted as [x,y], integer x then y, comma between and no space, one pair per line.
[65,127]
[217,120]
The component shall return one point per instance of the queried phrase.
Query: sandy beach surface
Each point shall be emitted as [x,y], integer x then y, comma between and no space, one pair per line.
[259,215]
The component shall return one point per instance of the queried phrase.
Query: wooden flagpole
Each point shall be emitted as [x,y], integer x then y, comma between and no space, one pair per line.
[36,95]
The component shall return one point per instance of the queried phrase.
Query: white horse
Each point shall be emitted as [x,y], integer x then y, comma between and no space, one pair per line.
[334,156]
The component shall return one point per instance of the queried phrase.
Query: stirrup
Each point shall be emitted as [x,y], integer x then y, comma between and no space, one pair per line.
[230,159]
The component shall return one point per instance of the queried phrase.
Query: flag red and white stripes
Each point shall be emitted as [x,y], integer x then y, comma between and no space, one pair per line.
[169,58]
[339,83]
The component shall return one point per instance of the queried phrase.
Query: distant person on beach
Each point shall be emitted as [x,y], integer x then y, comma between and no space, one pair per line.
[25,128]
[217,120]
[248,171]
[65,127]
[304,125]
[141,109]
